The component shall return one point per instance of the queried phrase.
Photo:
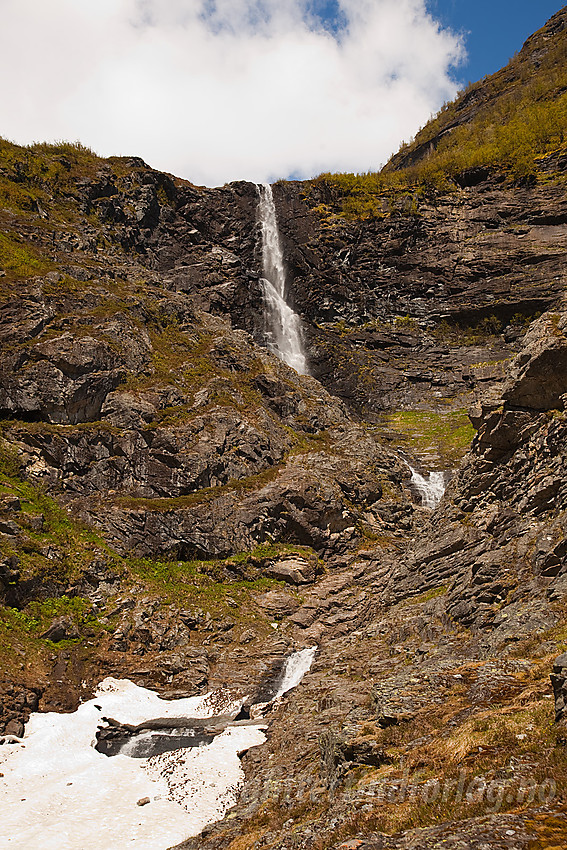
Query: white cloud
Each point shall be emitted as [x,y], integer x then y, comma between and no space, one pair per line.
[218,90]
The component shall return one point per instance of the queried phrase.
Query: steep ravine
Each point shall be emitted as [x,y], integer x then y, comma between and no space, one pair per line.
[443,680]
[181,508]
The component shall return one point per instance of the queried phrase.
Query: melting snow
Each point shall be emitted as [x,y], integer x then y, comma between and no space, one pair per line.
[61,794]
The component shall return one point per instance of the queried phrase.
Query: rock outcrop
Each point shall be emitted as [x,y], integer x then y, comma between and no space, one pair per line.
[498,540]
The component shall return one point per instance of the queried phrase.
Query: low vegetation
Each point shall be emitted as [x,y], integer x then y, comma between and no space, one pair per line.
[423,432]
[508,123]
[54,552]
[19,260]
[31,175]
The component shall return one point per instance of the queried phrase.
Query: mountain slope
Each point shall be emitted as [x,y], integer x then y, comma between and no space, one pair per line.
[180,507]
[127,394]
[511,120]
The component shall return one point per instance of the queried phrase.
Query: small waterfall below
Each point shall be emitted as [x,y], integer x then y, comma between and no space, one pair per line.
[430,489]
[296,666]
[283,325]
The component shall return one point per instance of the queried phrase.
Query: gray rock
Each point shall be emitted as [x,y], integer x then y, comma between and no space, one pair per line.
[14,727]
[61,629]
[538,376]
[292,570]
[9,527]
[277,603]
[10,503]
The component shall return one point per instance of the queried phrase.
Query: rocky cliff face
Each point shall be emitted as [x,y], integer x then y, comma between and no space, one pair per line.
[404,307]
[180,507]
[434,668]
[128,386]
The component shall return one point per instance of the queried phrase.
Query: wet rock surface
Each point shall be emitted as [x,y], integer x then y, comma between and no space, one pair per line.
[155,737]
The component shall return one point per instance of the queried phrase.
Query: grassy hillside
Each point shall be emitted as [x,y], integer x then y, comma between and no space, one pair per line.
[513,122]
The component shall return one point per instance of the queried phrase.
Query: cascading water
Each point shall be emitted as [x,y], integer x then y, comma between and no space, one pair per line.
[283,325]
[430,489]
[296,666]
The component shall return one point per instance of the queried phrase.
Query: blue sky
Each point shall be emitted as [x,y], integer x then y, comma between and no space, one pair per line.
[221,90]
[493,29]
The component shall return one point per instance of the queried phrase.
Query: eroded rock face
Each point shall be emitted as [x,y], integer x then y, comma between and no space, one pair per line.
[559,682]
[497,542]
[66,379]
[538,377]
[200,439]
[369,292]
[486,254]
[316,499]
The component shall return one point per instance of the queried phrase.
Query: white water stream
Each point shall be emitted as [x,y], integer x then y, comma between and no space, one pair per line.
[59,793]
[296,666]
[430,489]
[283,325]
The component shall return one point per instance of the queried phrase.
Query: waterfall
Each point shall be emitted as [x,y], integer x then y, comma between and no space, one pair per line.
[283,326]
[430,489]
[295,669]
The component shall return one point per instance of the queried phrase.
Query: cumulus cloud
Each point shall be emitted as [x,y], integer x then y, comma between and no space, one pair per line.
[219,90]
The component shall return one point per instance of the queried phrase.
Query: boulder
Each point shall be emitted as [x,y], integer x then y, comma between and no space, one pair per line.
[538,375]
[292,570]
[10,503]
[15,728]
[61,629]
[277,603]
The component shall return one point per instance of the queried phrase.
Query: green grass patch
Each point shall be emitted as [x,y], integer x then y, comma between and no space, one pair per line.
[18,259]
[193,582]
[366,196]
[37,616]
[433,593]
[267,551]
[17,198]
[199,581]
[484,332]
[45,165]
[62,548]
[448,435]
[21,630]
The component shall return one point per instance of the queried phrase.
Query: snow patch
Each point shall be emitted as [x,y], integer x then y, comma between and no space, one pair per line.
[206,780]
[61,794]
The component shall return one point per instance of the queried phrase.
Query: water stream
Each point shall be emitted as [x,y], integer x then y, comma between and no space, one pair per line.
[430,489]
[296,666]
[282,331]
